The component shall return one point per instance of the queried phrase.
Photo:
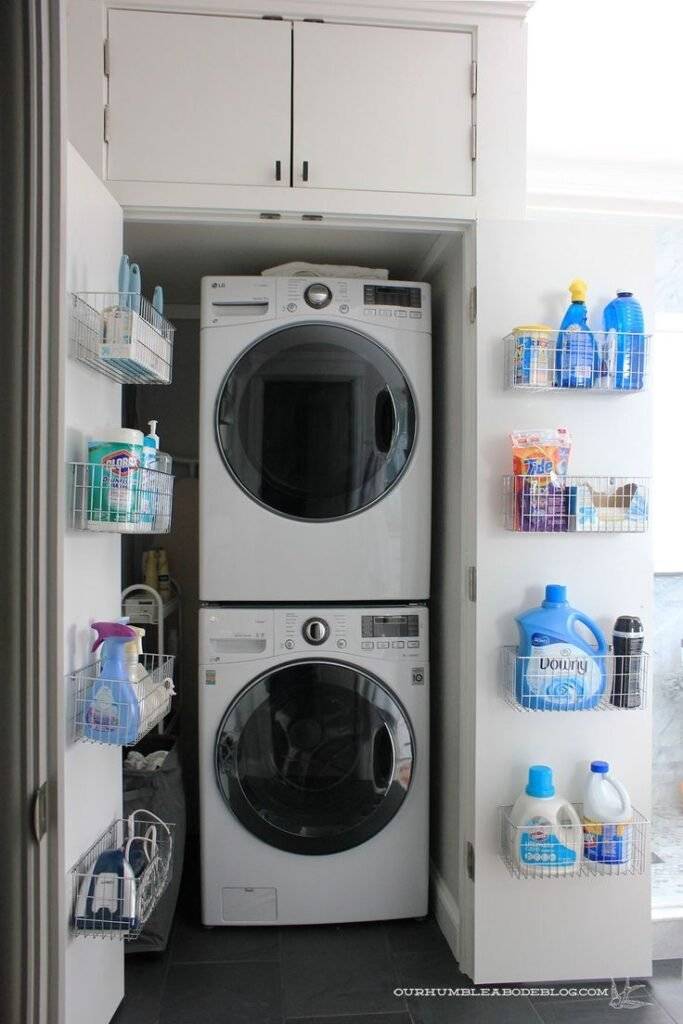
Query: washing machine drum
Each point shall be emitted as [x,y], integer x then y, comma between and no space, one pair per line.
[315,757]
[316,421]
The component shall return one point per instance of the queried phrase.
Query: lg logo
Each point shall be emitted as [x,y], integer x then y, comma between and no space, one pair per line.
[218,284]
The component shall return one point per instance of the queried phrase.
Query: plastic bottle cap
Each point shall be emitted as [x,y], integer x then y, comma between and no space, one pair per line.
[555,593]
[578,289]
[623,293]
[540,781]
[599,767]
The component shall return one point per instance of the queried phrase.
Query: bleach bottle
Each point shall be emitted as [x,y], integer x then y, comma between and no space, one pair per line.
[625,342]
[578,362]
[545,830]
[607,818]
[557,669]
[112,712]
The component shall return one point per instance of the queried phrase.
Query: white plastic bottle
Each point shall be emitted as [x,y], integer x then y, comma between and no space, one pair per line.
[545,837]
[607,818]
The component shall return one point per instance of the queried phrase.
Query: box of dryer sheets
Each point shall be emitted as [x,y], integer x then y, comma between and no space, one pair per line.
[136,345]
[614,508]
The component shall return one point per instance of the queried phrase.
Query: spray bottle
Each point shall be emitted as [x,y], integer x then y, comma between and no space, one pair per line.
[112,713]
[578,362]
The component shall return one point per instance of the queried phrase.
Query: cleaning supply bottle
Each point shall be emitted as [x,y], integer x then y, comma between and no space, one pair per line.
[557,669]
[545,836]
[578,362]
[112,713]
[151,569]
[607,818]
[164,577]
[132,653]
[625,342]
[149,489]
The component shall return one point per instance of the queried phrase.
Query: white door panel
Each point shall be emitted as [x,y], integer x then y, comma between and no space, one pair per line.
[195,98]
[561,928]
[382,109]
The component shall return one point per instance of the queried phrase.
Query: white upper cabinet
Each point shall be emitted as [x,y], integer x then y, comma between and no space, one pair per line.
[198,99]
[382,109]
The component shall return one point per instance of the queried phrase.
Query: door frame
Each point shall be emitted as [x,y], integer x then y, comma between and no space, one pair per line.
[33,939]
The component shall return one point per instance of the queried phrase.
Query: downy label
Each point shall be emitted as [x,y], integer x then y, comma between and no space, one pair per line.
[540,845]
[561,670]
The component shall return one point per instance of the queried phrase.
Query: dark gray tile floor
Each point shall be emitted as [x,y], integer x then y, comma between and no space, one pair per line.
[343,975]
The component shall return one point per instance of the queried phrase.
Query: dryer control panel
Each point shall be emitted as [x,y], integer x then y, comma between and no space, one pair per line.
[394,633]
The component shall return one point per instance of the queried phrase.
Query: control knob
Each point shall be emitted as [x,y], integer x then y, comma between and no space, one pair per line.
[318,295]
[315,631]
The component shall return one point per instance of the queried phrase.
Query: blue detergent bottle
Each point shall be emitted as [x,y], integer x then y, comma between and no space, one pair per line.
[624,326]
[112,712]
[578,363]
[557,669]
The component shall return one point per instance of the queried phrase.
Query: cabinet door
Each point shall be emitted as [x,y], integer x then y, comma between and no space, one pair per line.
[382,109]
[196,98]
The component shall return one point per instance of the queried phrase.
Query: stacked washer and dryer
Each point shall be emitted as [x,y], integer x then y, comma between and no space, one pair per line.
[315,505]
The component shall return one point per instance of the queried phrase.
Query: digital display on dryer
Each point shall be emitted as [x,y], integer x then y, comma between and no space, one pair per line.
[386,295]
[389,626]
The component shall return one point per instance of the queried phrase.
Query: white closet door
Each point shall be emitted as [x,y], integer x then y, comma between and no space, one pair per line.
[382,109]
[197,98]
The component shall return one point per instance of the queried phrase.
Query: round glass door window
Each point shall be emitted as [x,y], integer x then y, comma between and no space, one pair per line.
[314,757]
[316,421]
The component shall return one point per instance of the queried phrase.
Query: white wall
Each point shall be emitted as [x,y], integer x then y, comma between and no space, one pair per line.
[666,376]
[529,930]
[92,586]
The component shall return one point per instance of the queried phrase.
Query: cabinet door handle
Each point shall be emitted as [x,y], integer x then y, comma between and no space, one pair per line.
[278,170]
[304,170]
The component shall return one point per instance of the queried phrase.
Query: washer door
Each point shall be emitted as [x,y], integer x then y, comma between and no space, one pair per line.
[316,421]
[314,757]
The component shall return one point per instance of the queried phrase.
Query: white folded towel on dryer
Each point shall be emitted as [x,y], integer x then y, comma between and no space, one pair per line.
[324,270]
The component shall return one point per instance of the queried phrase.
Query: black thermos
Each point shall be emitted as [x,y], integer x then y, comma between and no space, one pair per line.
[627,640]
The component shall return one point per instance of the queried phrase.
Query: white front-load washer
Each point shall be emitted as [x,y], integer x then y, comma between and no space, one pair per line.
[315,440]
[314,764]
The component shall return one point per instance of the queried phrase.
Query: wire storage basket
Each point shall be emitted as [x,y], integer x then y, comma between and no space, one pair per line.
[120,880]
[566,682]
[539,359]
[121,335]
[100,716]
[567,849]
[121,499]
[576,504]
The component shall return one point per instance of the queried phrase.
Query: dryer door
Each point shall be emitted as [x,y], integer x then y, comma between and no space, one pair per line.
[314,757]
[316,421]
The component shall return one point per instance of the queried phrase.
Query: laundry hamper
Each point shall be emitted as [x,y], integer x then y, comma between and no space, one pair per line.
[160,791]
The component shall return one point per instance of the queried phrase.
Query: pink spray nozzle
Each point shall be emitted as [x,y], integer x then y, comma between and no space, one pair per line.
[112,631]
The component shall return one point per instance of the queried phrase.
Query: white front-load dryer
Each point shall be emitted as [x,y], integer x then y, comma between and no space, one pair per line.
[314,764]
[315,440]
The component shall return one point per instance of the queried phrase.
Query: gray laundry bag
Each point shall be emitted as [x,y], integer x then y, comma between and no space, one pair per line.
[162,793]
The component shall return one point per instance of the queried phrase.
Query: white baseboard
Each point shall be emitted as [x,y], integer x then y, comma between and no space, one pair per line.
[445,909]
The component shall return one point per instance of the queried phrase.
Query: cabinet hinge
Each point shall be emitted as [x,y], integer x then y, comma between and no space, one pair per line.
[106,124]
[40,812]
[473,77]
[473,142]
[272,17]
[107,59]
[472,583]
[469,858]
[473,305]
[315,21]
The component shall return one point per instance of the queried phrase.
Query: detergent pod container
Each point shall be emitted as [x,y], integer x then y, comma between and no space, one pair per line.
[112,713]
[607,818]
[557,668]
[545,835]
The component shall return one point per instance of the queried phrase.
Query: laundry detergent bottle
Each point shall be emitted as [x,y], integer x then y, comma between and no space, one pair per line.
[625,342]
[545,835]
[578,362]
[112,712]
[557,668]
[607,818]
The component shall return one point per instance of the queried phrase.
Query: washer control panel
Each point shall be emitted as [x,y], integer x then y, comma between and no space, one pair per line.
[400,304]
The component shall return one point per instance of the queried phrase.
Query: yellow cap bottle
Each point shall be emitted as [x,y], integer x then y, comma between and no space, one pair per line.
[578,289]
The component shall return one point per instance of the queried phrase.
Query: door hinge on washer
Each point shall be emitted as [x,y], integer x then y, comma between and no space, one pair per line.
[40,812]
[473,77]
[106,124]
[106,58]
[472,583]
[473,305]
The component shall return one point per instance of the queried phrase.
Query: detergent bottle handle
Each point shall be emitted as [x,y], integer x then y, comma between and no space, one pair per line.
[594,630]
[621,793]
[572,831]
